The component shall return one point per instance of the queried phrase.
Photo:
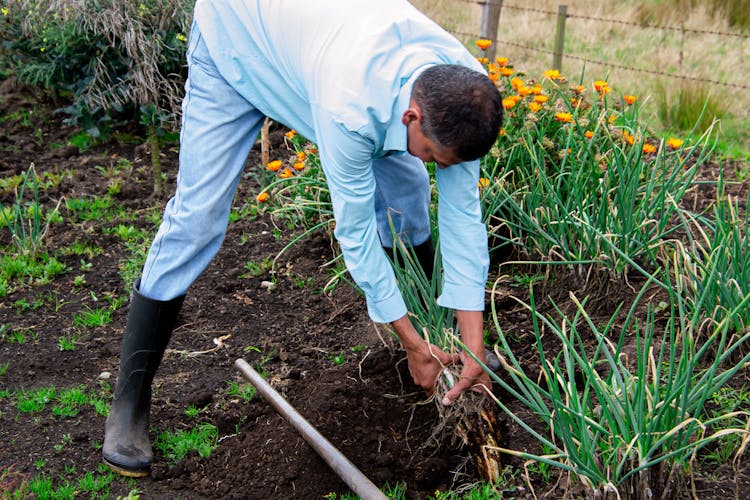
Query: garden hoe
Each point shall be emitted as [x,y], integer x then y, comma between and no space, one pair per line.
[346,470]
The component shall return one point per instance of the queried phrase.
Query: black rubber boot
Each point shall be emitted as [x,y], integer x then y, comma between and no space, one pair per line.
[425,254]
[426,257]
[127,449]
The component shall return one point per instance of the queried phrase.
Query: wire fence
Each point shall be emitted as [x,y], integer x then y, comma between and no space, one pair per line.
[684,31]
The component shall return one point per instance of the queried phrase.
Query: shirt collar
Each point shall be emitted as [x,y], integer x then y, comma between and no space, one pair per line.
[395,134]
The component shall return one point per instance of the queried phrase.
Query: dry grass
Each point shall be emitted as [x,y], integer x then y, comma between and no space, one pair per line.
[527,38]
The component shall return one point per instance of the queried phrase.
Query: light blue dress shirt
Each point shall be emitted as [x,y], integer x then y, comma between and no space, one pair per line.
[340,72]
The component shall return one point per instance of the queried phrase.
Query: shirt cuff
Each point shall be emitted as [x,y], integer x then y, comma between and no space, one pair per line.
[462,297]
[387,310]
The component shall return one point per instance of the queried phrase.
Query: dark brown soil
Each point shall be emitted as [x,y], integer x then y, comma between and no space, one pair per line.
[367,405]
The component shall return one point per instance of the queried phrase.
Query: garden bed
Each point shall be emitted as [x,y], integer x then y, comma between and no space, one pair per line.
[320,350]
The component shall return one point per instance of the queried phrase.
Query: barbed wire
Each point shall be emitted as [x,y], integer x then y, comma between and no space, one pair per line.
[681,29]
[611,64]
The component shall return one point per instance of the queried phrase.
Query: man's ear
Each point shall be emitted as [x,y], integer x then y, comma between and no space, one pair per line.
[413,113]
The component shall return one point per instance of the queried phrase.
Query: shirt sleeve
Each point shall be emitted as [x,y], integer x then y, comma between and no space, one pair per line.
[463,237]
[346,158]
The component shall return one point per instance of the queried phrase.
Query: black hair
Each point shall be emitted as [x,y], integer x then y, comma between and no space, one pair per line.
[461,109]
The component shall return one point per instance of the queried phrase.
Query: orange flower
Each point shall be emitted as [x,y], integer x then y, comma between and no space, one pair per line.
[262,197]
[505,71]
[588,134]
[482,60]
[493,76]
[312,151]
[501,133]
[290,134]
[274,166]
[575,102]
[564,117]
[516,83]
[501,61]
[301,155]
[649,148]
[630,139]
[483,182]
[536,89]
[675,143]
[523,90]
[552,74]
[602,87]
[541,99]
[286,173]
[578,89]
[300,165]
[509,102]
[534,106]
[483,43]
[630,99]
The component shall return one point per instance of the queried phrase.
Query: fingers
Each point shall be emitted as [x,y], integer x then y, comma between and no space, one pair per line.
[479,383]
[451,396]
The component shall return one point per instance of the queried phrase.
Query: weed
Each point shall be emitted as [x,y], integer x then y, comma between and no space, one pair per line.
[69,401]
[68,343]
[302,282]
[79,281]
[397,492]
[245,392]
[16,336]
[32,401]
[38,270]
[93,317]
[257,269]
[202,438]
[96,486]
[4,368]
[338,359]
[97,209]
[248,211]
[192,411]
[82,249]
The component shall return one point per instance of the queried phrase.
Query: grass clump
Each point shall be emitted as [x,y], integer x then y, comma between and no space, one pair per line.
[176,445]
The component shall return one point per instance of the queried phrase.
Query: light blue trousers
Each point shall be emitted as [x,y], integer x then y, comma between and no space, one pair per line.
[219,127]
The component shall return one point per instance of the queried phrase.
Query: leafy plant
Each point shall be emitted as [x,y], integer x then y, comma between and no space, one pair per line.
[338,359]
[68,342]
[245,392]
[35,400]
[90,318]
[97,208]
[716,263]
[175,445]
[581,182]
[623,427]
[26,221]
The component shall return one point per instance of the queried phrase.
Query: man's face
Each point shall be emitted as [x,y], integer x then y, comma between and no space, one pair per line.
[420,145]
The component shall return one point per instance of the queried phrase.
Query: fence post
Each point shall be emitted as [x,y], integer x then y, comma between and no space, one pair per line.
[490,19]
[562,14]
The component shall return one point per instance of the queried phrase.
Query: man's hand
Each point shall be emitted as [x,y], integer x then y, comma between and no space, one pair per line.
[426,361]
[472,375]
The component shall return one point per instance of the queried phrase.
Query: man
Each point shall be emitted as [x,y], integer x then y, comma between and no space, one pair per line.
[380,89]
